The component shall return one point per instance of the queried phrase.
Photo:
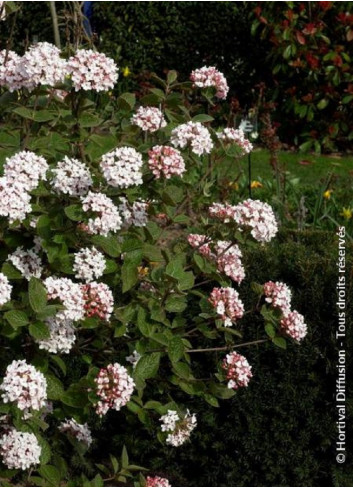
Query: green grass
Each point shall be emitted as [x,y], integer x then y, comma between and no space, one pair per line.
[318,169]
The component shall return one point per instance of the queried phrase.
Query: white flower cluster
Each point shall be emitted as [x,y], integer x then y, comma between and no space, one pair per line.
[10,74]
[122,167]
[24,385]
[114,388]
[254,215]
[62,336]
[42,65]
[238,370]
[209,76]
[149,119]
[236,136]
[5,289]
[293,325]
[193,134]
[165,161]
[89,264]
[71,177]
[157,481]
[79,431]
[228,259]
[178,428]
[278,295]
[92,71]
[19,450]
[70,294]
[227,304]
[133,214]
[27,262]
[22,173]
[107,215]
[99,301]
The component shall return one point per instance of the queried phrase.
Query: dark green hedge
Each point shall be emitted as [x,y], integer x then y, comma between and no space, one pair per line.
[281,429]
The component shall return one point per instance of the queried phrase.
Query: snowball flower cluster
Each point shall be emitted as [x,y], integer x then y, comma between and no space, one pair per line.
[149,119]
[62,336]
[227,304]
[25,168]
[114,388]
[224,254]
[238,370]
[14,200]
[27,262]
[134,214]
[42,65]
[98,300]
[71,177]
[70,294]
[178,428]
[19,450]
[209,76]
[122,167]
[165,161]
[107,218]
[79,431]
[157,482]
[24,385]
[278,295]
[193,134]
[229,135]
[89,263]
[5,289]
[293,325]
[254,215]
[92,71]
[11,75]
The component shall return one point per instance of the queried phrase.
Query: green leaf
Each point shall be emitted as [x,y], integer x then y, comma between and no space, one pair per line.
[75,396]
[11,272]
[176,348]
[279,341]
[37,295]
[50,473]
[39,330]
[16,318]
[127,101]
[74,212]
[129,276]
[124,458]
[109,245]
[202,118]
[172,76]
[89,120]
[175,303]
[55,389]
[147,366]
[322,104]
[270,330]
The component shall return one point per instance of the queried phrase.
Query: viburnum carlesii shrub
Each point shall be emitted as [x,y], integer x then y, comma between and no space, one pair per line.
[114,388]
[293,325]
[42,65]
[135,214]
[278,295]
[24,385]
[120,266]
[192,134]
[157,481]
[70,294]
[237,370]
[178,428]
[122,167]
[91,70]
[61,336]
[71,177]
[89,264]
[229,135]
[98,300]
[149,119]
[19,450]
[79,431]
[164,162]
[227,303]
[106,217]
[27,262]
[5,289]
[209,76]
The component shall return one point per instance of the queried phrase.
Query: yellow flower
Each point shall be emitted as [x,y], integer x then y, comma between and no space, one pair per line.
[347,213]
[126,71]
[256,184]
[327,194]
[142,271]
[233,185]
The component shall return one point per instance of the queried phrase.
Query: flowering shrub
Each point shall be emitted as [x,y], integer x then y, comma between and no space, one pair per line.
[114,261]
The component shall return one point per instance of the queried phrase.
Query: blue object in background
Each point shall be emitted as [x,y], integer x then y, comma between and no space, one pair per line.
[87,11]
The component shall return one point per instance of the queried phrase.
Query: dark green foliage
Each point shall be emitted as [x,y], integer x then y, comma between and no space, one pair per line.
[281,429]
